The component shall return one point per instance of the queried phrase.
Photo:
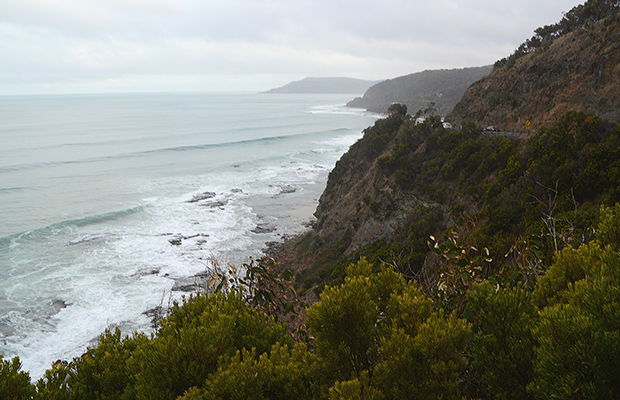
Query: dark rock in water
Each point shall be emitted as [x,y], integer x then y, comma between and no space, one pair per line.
[194,283]
[236,190]
[147,271]
[58,305]
[176,241]
[156,314]
[201,196]
[287,189]
[203,275]
[264,228]
[214,204]
[190,287]
[309,224]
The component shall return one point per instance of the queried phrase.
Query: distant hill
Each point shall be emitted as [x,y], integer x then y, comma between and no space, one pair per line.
[578,71]
[443,87]
[326,85]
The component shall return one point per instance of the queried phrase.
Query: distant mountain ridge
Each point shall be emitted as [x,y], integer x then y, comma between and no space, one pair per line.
[443,87]
[326,85]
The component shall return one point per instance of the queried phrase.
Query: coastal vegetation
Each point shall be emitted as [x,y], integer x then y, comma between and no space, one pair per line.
[502,193]
[375,336]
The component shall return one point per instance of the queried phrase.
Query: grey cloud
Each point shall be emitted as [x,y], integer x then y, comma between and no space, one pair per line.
[51,42]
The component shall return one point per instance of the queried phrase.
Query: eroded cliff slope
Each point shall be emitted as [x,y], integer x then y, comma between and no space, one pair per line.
[579,71]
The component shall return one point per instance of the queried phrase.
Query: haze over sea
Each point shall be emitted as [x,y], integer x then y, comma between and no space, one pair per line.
[109,203]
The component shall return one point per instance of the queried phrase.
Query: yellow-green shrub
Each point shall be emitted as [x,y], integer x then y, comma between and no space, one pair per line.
[195,338]
[503,347]
[378,331]
[102,372]
[284,373]
[579,339]
[14,384]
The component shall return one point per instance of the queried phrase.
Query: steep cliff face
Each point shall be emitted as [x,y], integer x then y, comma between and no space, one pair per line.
[365,206]
[579,71]
[361,203]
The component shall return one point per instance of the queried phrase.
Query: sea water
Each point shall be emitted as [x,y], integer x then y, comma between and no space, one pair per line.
[109,203]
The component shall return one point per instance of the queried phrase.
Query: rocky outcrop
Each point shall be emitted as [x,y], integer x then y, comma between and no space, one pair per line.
[364,205]
[578,72]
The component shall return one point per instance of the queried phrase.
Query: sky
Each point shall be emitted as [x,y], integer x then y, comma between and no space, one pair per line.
[122,46]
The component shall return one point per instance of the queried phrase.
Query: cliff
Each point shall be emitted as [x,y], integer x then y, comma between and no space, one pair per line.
[579,71]
[442,87]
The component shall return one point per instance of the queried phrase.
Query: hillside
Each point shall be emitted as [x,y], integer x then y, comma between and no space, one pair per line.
[325,85]
[403,182]
[442,87]
[579,71]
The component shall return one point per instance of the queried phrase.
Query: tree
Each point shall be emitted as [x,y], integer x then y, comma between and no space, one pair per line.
[102,372]
[283,373]
[397,109]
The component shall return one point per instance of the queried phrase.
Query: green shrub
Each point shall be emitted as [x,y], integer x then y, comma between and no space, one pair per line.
[284,373]
[14,384]
[608,232]
[193,339]
[378,331]
[356,389]
[579,339]
[55,384]
[428,364]
[570,266]
[503,347]
[103,372]
[343,326]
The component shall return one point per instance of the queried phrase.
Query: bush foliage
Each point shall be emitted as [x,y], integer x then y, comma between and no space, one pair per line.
[375,336]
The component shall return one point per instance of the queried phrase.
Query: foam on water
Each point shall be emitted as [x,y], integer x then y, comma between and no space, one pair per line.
[117,231]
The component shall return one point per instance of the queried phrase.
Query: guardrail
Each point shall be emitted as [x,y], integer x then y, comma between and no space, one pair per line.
[520,134]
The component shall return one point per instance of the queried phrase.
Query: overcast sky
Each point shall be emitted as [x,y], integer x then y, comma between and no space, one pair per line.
[97,46]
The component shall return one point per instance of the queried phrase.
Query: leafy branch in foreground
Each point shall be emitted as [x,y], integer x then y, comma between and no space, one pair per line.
[266,289]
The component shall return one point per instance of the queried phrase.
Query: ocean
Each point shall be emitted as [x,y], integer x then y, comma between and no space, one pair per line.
[111,205]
